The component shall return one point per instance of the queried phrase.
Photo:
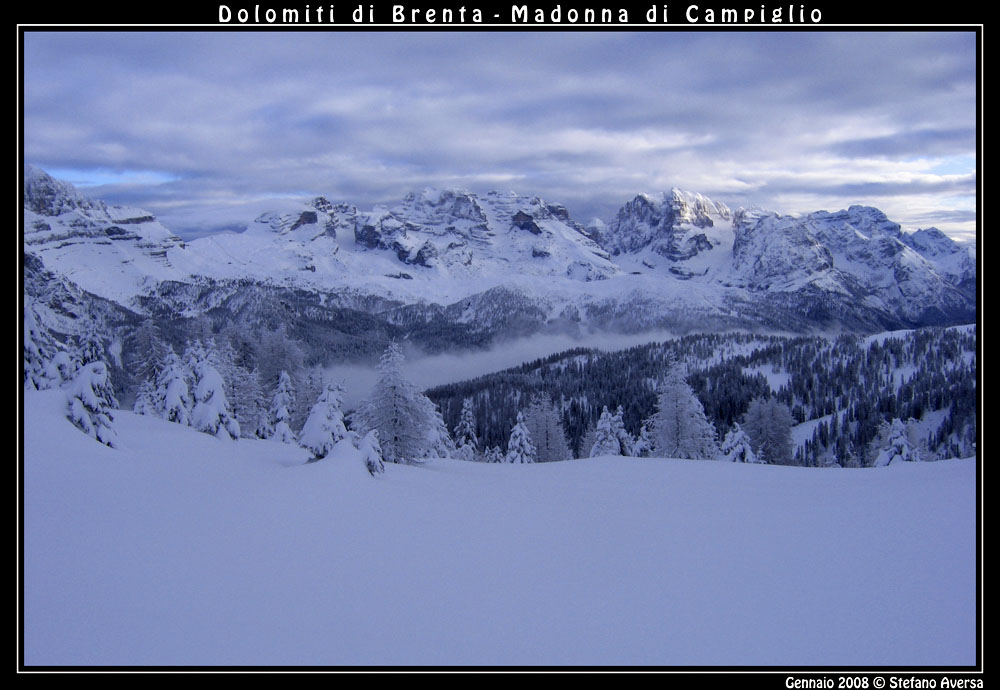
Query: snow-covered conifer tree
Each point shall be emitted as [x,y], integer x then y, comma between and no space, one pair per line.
[643,443]
[587,442]
[279,414]
[89,345]
[520,449]
[466,441]
[605,440]
[90,401]
[895,445]
[325,425]
[680,427]
[625,440]
[308,386]
[211,412]
[546,431]
[63,366]
[246,397]
[493,454]
[371,451]
[769,423]
[173,398]
[146,352]
[194,352]
[39,349]
[439,442]
[737,447]
[849,456]
[410,428]
[277,352]
[145,399]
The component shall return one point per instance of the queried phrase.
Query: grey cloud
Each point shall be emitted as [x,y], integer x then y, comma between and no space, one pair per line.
[587,119]
[965,184]
[922,142]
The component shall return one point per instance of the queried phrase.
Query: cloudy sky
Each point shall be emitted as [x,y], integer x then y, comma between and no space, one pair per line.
[206,128]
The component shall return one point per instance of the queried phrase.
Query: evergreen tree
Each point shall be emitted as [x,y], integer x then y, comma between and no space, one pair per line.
[89,345]
[625,440]
[849,456]
[145,399]
[439,442]
[520,449]
[643,443]
[324,427]
[39,349]
[194,352]
[211,413]
[246,396]
[737,447]
[410,428]
[146,352]
[768,423]
[90,401]
[894,445]
[493,454]
[309,385]
[546,431]
[587,441]
[277,352]
[466,442]
[680,428]
[279,413]
[371,451]
[605,440]
[173,399]
[63,367]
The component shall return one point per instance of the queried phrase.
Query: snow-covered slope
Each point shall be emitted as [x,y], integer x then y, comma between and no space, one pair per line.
[181,548]
[667,261]
[112,251]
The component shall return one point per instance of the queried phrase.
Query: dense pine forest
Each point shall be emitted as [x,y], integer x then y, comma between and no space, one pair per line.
[842,392]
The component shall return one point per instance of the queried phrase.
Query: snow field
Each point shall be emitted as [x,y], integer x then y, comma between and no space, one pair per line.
[182,548]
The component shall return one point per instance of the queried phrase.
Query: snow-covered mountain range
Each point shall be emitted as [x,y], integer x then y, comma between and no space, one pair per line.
[502,262]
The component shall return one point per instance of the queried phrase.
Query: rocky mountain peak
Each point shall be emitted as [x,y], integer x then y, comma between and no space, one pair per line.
[669,224]
[47,196]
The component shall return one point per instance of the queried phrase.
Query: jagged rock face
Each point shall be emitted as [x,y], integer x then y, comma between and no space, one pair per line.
[932,243]
[437,207]
[770,252]
[425,256]
[956,262]
[322,204]
[456,230]
[522,221]
[322,218]
[857,252]
[668,225]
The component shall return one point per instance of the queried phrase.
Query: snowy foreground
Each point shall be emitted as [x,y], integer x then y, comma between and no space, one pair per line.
[180,548]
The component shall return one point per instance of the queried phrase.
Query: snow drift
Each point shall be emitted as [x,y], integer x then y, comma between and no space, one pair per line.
[182,548]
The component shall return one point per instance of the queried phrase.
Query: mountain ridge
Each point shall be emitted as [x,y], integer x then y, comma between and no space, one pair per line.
[674,259]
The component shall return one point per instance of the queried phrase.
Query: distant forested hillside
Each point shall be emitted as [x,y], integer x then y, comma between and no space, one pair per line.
[839,390]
